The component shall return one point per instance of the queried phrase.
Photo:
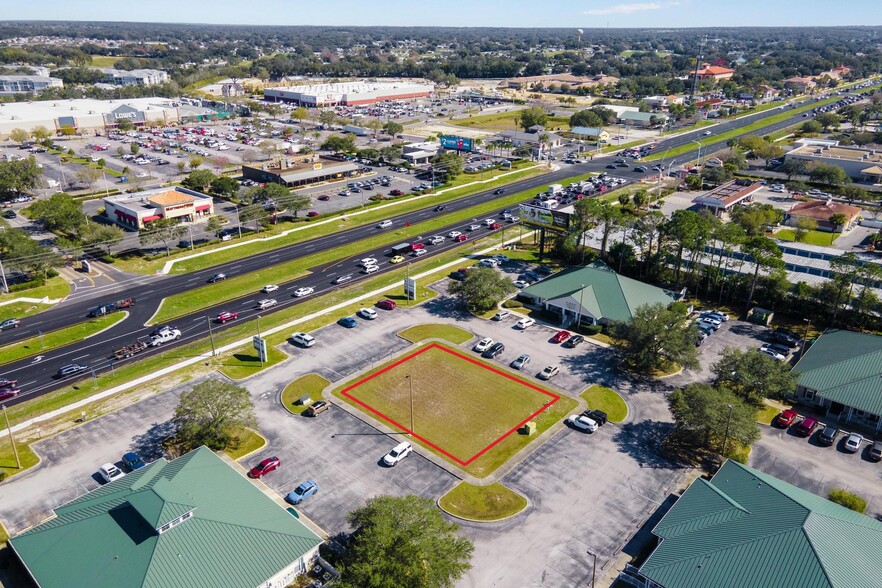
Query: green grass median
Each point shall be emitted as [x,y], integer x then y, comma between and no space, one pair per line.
[482,503]
[311,384]
[450,333]
[607,400]
[59,338]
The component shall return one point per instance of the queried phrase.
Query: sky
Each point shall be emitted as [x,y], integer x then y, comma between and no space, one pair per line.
[460,13]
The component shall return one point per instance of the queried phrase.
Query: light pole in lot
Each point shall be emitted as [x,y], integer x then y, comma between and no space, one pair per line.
[593,568]
[409,379]
[238,222]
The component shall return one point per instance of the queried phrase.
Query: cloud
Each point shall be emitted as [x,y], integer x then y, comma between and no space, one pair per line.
[629,8]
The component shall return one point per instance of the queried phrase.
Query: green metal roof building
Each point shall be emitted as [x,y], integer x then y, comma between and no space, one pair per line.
[841,375]
[745,529]
[596,294]
[193,522]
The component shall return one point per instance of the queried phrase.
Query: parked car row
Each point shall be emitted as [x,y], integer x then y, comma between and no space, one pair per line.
[826,433]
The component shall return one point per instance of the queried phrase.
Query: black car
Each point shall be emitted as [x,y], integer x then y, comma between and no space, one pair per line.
[598,416]
[499,191]
[573,341]
[827,436]
[458,276]
[9,214]
[786,336]
[493,351]
[611,166]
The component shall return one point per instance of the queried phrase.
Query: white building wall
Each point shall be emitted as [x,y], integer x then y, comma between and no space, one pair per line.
[290,573]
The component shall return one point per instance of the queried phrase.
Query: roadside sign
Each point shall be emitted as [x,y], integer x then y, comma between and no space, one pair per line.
[260,346]
[410,288]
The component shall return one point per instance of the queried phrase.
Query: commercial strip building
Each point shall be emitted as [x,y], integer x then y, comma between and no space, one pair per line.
[863,165]
[27,84]
[87,115]
[136,211]
[192,522]
[531,138]
[641,119]
[418,153]
[560,79]
[746,529]
[841,376]
[348,93]
[294,174]
[591,134]
[135,77]
[726,196]
[594,294]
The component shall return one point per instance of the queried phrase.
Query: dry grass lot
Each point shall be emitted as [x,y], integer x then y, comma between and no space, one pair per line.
[461,405]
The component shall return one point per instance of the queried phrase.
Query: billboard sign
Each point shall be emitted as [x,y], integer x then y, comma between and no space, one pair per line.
[545,217]
[410,288]
[456,143]
[260,345]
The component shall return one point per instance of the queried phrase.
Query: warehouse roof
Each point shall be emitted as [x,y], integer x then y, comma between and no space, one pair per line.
[189,523]
[746,529]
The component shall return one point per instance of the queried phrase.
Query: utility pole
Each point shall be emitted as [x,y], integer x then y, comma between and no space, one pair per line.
[410,381]
[698,59]
[11,439]
[210,336]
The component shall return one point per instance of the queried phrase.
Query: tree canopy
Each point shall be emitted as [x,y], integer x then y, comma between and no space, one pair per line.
[482,289]
[701,413]
[60,214]
[210,413]
[657,336]
[752,375]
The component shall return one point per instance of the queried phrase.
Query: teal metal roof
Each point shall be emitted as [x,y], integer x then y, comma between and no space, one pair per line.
[845,367]
[602,292]
[745,529]
[236,535]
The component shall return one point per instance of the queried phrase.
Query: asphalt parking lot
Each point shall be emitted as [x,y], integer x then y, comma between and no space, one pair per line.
[813,467]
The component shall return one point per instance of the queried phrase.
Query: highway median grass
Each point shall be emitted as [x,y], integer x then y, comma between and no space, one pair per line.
[54,339]
[482,503]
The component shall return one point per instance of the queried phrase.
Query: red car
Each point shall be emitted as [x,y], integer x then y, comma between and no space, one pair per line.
[396,193]
[312,213]
[266,466]
[494,226]
[561,336]
[227,316]
[417,246]
[786,418]
[386,304]
[807,426]
[324,197]
[7,393]
[461,238]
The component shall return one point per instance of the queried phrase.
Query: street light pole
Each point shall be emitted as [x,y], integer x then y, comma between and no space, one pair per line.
[698,161]
[238,222]
[593,568]
[726,438]
[410,381]
[210,336]
[11,439]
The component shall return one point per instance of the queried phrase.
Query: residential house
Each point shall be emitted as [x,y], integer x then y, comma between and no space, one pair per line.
[594,294]
[193,521]
[841,376]
[820,211]
[800,85]
[746,529]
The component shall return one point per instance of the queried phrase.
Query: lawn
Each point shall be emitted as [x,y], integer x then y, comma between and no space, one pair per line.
[822,238]
[450,333]
[606,400]
[104,60]
[769,411]
[248,441]
[482,503]
[503,121]
[311,384]
[53,339]
[464,409]
[245,362]
[7,458]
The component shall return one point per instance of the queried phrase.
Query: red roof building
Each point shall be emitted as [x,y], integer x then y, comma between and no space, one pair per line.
[820,211]
[713,72]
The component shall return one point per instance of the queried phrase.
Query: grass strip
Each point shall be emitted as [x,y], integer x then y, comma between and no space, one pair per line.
[607,400]
[311,384]
[59,338]
[450,333]
[822,238]
[482,503]
[247,441]
[7,458]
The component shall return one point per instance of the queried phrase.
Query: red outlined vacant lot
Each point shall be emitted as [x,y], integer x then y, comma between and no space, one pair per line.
[462,406]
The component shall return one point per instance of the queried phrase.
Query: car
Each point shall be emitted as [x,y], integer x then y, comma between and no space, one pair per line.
[436,240]
[525,323]
[324,197]
[367,313]
[7,383]
[317,408]
[8,214]
[217,278]
[454,234]
[348,322]
[521,361]
[303,339]
[473,227]
[12,323]
[305,291]
[439,208]
[488,262]
[343,279]
[110,472]
[772,353]
[501,258]
[520,284]
[385,224]
[227,315]
[560,337]
[641,169]
[266,466]
[827,436]
[343,193]
[266,303]
[8,392]
[582,423]
[369,269]
[706,133]
[786,418]
[484,344]
[142,175]
[598,416]
[493,351]
[396,193]
[786,336]
[499,191]
[312,214]
[302,492]
[386,304]
[549,372]
[716,314]
[573,341]
[611,166]
[398,453]
[501,315]
[777,347]
[807,426]
[461,238]
[853,442]
[70,370]
[133,461]
[269,288]
[875,451]
[397,259]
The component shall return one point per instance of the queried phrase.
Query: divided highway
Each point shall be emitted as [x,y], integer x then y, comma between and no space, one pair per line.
[35,374]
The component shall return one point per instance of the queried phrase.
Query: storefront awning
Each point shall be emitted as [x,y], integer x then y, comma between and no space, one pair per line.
[125,215]
[202,207]
[152,217]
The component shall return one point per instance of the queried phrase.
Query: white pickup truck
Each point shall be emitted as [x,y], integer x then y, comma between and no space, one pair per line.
[165,336]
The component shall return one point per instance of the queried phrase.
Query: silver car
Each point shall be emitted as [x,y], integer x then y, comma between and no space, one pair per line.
[520,362]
